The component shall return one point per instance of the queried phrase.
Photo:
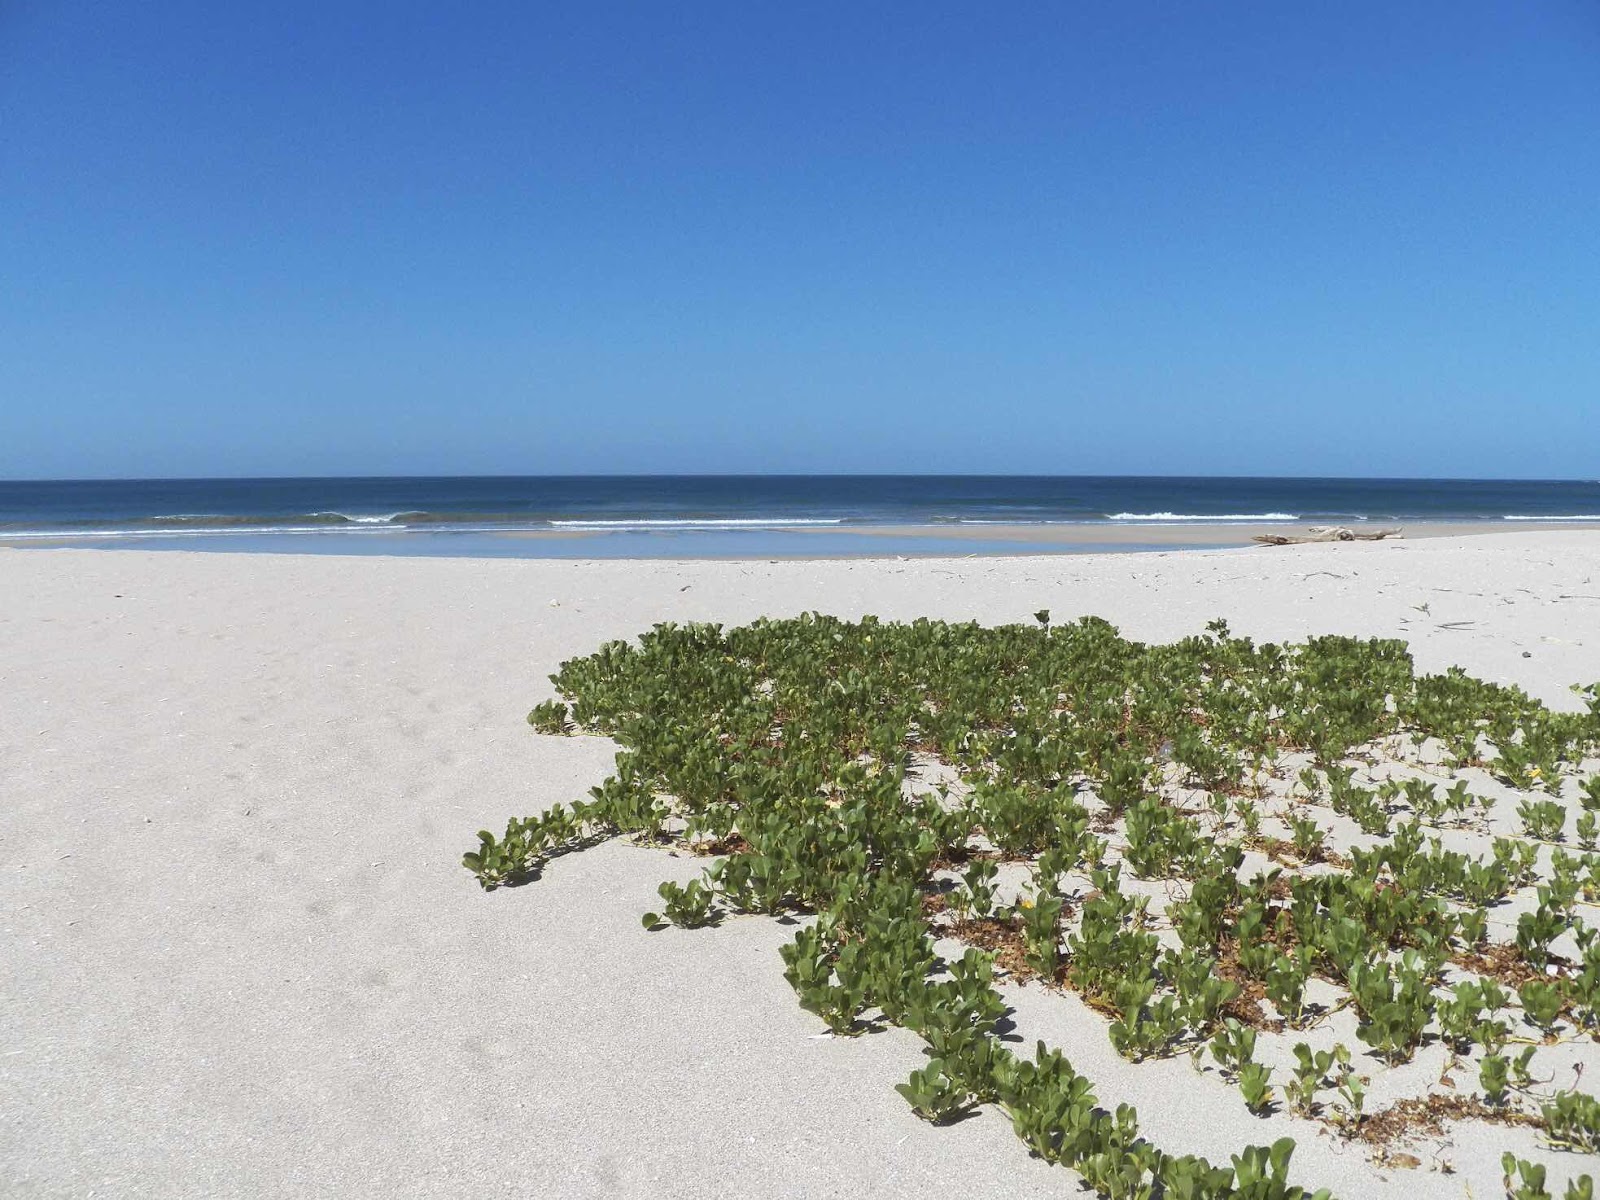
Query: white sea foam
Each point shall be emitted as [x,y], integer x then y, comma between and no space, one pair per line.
[1168,516]
[700,523]
[371,518]
[1577,517]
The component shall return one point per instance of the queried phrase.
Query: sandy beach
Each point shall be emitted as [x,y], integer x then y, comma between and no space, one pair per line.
[243,958]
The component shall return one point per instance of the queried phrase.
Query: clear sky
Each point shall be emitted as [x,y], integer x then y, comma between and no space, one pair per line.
[1232,238]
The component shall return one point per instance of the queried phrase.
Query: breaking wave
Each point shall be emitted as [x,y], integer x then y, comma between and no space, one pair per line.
[1170,516]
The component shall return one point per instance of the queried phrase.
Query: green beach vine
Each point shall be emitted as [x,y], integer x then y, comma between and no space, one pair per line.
[1017,792]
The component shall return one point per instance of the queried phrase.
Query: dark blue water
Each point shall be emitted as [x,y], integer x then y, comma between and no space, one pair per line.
[719,514]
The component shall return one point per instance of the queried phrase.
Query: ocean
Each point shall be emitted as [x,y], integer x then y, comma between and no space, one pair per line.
[716,516]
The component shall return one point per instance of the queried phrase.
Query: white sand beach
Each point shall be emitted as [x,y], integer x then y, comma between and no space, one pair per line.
[243,959]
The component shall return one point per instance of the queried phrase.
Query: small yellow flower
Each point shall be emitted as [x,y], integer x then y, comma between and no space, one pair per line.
[1026,903]
[1535,772]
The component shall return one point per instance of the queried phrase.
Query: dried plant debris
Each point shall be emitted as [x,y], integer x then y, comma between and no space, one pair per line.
[1207,841]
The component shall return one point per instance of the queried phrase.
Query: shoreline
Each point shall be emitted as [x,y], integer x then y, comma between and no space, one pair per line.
[1209,534]
[777,542]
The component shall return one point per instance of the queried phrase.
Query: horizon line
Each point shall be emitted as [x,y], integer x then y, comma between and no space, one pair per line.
[6,480]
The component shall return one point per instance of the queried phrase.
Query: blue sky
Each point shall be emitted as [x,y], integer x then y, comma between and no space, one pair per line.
[1236,238]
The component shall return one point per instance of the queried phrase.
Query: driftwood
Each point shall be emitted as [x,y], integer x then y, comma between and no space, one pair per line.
[1326,533]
